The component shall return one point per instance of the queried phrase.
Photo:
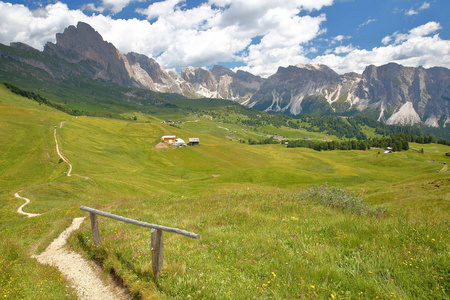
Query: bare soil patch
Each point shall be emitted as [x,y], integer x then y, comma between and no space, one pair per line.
[161,146]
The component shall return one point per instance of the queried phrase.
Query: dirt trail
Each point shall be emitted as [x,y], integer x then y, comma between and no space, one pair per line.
[20,211]
[69,173]
[60,154]
[83,277]
[79,273]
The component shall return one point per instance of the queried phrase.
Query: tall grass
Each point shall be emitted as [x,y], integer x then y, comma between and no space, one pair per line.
[269,244]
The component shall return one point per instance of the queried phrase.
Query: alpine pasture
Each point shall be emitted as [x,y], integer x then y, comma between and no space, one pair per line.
[275,222]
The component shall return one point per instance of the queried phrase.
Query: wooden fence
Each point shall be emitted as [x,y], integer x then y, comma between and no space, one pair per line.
[156,235]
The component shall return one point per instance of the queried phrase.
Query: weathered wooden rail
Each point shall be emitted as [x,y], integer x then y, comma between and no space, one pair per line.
[156,235]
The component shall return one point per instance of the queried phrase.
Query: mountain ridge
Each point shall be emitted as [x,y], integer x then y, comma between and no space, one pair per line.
[390,93]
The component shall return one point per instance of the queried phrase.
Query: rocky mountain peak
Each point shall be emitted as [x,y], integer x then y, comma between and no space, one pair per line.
[153,69]
[308,73]
[150,74]
[221,70]
[80,37]
[314,67]
[83,44]
[221,82]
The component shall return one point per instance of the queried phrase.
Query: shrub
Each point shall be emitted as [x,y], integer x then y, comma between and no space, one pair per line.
[339,198]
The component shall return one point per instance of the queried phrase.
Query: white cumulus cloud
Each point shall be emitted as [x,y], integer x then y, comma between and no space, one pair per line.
[420,47]
[344,49]
[160,9]
[35,28]
[282,45]
[419,31]
[116,6]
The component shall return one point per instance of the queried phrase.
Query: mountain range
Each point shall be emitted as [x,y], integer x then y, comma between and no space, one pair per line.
[390,93]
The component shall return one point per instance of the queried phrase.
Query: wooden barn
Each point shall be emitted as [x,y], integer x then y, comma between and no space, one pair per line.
[169,139]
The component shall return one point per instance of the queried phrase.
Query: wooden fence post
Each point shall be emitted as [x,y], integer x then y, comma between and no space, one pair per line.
[156,235]
[94,227]
[157,252]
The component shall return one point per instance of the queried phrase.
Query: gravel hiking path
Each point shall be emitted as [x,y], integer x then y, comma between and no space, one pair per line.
[83,276]
[78,271]
[69,174]
[20,211]
[30,215]
[60,154]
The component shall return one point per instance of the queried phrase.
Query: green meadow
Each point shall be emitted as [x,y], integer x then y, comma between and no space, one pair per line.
[275,222]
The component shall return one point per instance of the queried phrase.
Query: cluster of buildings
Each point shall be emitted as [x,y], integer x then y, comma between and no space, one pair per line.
[174,140]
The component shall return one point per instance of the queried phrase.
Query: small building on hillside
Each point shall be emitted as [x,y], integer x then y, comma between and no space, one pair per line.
[169,139]
[194,142]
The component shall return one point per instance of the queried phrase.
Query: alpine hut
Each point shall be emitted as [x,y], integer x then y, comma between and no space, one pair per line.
[169,139]
[194,142]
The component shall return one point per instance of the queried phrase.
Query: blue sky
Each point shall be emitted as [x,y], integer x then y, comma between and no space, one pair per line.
[253,35]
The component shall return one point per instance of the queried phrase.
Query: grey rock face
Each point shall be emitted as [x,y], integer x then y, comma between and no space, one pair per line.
[405,95]
[151,75]
[397,94]
[82,44]
[285,90]
[221,82]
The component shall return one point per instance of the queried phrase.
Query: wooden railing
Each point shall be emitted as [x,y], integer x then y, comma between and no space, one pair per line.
[156,235]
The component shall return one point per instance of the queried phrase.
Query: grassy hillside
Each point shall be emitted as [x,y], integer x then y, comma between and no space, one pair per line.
[268,231]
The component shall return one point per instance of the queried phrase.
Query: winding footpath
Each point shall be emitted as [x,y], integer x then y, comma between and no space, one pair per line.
[83,277]
[69,173]
[20,211]
[79,273]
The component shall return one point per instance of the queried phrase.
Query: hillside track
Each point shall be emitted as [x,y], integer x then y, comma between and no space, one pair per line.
[69,173]
[20,209]
[83,277]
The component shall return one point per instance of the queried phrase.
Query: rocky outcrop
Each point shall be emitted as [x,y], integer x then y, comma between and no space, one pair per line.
[221,82]
[286,90]
[150,74]
[405,95]
[84,46]
[393,93]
